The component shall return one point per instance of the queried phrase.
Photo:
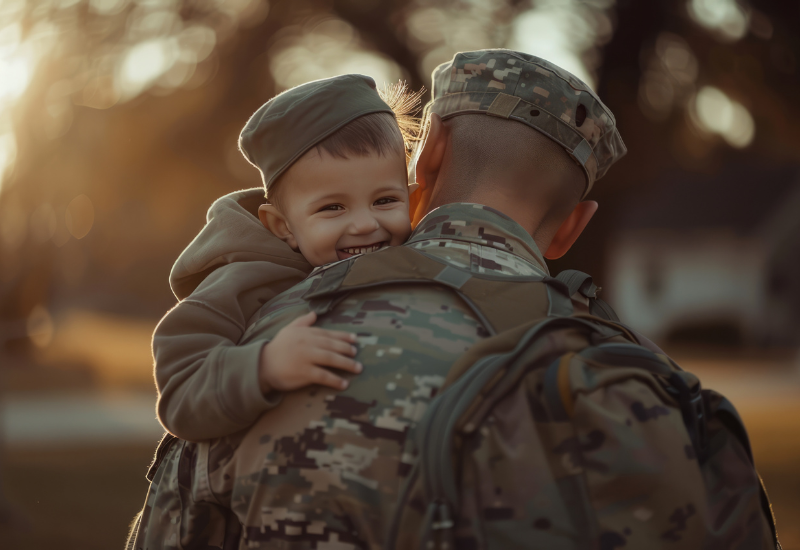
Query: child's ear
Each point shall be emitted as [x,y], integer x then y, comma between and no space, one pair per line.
[275,221]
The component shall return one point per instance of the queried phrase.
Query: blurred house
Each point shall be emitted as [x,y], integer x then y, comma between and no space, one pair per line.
[707,260]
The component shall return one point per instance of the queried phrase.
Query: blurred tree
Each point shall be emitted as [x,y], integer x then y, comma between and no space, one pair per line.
[136,105]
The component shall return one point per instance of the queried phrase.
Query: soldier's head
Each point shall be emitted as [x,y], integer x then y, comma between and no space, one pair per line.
[517,133]
[332,155]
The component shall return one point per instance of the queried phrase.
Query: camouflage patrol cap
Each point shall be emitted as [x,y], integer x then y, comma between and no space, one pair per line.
[293,122]
[528,89]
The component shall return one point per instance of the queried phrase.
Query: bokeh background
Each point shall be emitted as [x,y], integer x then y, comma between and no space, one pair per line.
[118,126]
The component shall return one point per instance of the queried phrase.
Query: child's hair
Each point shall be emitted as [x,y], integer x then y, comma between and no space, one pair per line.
[375,133]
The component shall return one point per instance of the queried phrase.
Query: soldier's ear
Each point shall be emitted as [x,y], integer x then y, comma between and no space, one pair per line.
[274,220]
[429,163]
[571,229]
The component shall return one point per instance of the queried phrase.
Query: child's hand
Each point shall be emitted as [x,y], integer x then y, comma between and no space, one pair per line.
[297,356]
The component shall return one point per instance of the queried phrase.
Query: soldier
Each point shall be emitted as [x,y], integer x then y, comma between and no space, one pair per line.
[513,145]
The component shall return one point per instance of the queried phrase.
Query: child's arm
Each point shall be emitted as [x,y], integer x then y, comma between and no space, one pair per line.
[208,386]
[296,357]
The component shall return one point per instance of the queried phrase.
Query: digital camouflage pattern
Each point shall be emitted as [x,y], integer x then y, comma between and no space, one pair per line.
[324,469]
[531,90]
[585,451]
[163,523]
[468,245]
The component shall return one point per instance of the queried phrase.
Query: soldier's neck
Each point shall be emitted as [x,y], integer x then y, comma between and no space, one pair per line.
[523,209]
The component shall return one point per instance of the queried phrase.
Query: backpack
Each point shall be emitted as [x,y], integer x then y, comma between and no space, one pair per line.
[528,444]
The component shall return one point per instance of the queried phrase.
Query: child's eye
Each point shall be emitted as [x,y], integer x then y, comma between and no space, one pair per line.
[333,207]
[385,200]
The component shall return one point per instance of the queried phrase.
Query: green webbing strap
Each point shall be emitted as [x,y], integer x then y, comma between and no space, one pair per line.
[600,308]
[438,426]
[500,302]
[560,304]
[627,355]
[452,277]
[578,281]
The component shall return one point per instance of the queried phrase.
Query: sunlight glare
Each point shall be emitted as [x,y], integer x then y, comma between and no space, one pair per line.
[15,73]
[742,128]
[44,222]
[8,153]
[330,49]
[717,113]
[107,7]
[723,16]
[143,64]
[13,223]
[549,32]
[79,216]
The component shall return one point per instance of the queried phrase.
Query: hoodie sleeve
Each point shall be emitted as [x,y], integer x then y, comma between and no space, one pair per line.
[207,385]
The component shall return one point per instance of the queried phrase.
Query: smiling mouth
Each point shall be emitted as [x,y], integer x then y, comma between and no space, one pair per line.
[354,250]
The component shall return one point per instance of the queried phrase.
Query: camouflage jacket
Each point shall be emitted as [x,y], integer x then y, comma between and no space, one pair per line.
[323,469]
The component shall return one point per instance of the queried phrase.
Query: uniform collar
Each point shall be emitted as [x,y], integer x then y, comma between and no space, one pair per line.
[479,224]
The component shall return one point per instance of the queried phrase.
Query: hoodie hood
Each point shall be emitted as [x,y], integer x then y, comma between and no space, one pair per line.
[233,233]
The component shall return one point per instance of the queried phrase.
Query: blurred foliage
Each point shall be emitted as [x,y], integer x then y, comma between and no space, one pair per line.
[118,128]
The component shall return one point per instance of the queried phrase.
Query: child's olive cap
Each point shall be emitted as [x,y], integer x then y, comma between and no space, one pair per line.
[533,91]
[293,122]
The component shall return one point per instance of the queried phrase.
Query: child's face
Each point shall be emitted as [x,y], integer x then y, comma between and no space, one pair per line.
[334,208]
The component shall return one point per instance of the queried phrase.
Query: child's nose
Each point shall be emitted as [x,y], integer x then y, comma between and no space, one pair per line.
[364,223]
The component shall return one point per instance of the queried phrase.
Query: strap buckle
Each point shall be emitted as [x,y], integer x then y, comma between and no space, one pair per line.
[444,520]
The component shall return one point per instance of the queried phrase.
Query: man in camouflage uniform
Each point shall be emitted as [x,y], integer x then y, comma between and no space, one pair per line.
[324,469]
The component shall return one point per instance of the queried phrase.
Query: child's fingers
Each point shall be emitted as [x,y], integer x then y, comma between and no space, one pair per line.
[326,378]
[337,346]
[338,334]
[304,320]
[325,358]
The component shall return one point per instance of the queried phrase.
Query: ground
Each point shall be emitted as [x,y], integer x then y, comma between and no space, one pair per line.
[74,499]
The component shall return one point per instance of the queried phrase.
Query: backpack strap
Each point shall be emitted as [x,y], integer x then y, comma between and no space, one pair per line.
[456,410]
[729,416]
[578,281]
[499,302]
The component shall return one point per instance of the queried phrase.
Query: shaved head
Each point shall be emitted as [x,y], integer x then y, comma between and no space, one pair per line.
[488,157]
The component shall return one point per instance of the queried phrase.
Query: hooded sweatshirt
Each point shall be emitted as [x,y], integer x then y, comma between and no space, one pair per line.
[229,270]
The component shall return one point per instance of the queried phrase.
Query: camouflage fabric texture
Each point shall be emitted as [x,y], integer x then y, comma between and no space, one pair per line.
[324,469]
[163,523]
[528,89]
[575,444]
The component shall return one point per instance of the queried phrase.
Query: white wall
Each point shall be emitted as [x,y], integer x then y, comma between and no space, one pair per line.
[658,281]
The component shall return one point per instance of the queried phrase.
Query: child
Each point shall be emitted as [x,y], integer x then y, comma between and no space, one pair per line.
[332,157]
